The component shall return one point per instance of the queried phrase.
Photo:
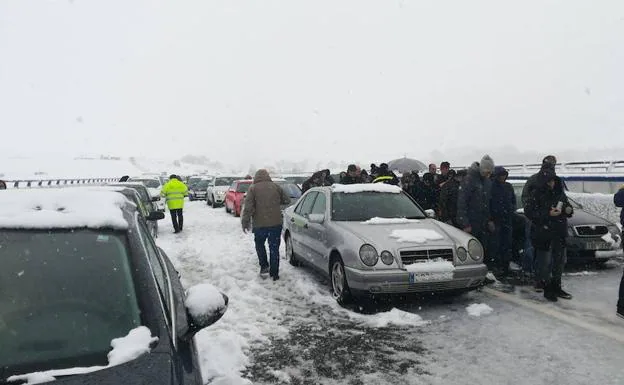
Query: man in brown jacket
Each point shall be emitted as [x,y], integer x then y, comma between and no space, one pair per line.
[262,206]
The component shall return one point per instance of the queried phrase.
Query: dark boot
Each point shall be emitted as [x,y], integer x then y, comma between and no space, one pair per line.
[559,291]
[620,312]
[550,292]
[539,286]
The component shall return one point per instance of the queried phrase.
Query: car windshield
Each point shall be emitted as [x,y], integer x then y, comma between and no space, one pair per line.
[365,205]
[193,181]
[64,296]
[243,187]
[291,189]
[224,181]
[149,183]
[202,184]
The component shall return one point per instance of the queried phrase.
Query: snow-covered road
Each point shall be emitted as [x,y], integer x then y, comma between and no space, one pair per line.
[292,331]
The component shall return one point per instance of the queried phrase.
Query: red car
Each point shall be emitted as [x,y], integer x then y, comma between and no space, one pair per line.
[235,195]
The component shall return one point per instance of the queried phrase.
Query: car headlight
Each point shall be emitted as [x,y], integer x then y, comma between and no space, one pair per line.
[387,257]
[368,255]
[462,254]
[613,229]
[475,250]
[571,232]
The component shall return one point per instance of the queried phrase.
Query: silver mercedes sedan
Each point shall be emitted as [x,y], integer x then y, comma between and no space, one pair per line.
[373,239]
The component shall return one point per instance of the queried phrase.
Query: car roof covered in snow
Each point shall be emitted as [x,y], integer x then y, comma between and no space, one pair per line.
[64,208]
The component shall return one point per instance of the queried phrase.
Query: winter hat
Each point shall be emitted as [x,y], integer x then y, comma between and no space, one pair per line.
[352,168]
[486,165]
[500,170]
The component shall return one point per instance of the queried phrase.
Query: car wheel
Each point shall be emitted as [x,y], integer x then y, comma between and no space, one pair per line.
[226,208]
[290,252]
[214,204]
[339,285]
[207,201]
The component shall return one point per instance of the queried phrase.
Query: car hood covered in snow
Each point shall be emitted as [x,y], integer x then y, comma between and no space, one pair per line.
[220,188]
[393,236]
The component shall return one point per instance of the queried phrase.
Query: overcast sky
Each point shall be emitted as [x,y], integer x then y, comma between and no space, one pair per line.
[247,81]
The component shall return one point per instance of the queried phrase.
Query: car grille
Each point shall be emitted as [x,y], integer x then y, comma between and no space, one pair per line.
[412,256]
[591,231]
[418,287]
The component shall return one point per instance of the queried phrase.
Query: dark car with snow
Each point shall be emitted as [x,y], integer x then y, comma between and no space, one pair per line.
[88,297]
[374,239]
[590,237]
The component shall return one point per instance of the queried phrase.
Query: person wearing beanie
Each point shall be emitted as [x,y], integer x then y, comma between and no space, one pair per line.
[548,163]
[473,203]
[548,209]
[174,192]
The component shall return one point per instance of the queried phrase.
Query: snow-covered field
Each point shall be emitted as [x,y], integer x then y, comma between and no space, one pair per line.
[292,331]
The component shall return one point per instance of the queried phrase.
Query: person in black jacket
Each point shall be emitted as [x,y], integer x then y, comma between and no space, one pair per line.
[318,179]
[618,199]
[384,175]
[502,208]
[426,195]
[548,209]
[473,203]
[449,192]
[548,163]
[351,176]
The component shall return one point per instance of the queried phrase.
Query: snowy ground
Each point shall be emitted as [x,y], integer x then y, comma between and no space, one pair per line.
[292,331]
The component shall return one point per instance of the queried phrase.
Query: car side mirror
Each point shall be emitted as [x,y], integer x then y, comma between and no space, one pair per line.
[155,198]
[430,213]
[155,216]
[205,305]
[316,218]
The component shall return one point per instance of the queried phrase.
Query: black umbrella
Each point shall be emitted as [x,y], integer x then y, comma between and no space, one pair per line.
[406,165]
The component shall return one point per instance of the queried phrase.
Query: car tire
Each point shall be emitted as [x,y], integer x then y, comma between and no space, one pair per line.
[207,201]
[226,208]
[214,204]
[338,281]
[290,252]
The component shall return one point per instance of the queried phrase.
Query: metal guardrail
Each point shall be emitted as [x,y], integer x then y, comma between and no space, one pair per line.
[43,183]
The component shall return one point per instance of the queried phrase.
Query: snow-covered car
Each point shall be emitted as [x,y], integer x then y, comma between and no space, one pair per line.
[590,238]
[146,204]
[217,188]
[373,239]
[154,186]
[197,191]
[81,275]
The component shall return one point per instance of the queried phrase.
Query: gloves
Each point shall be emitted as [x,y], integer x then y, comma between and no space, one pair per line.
[569,210]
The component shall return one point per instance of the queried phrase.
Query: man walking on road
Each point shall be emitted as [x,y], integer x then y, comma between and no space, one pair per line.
[263,212]
[174,192]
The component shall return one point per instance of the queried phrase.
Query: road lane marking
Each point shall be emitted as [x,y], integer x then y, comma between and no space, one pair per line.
[542,308]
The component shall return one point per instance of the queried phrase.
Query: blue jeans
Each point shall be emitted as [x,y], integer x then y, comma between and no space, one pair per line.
[274,235]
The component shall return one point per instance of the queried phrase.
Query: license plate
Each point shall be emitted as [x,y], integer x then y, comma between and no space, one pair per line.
[597,246]
[428,277]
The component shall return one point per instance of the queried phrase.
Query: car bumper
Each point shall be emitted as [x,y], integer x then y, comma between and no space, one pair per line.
[591,249]
[219,199]
[199,196]
[398,281]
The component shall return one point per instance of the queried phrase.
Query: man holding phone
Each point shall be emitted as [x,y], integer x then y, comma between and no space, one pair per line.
[548,209]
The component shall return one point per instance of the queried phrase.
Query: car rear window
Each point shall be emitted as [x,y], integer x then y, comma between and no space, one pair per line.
[64,295]
[243,187]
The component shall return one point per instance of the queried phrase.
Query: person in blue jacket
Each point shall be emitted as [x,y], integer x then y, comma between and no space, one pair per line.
[618,199]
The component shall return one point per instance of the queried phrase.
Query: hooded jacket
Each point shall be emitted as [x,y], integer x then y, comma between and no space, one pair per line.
[473,202]
[503,202]
[262,203]
[449,193]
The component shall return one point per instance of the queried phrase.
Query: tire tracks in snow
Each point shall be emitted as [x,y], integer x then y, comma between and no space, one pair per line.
[289,331]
